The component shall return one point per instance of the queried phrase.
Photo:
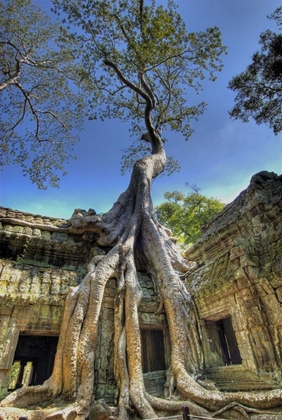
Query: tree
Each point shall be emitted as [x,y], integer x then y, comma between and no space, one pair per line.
[40,110]
[186,214]
[139,60]
[259,88]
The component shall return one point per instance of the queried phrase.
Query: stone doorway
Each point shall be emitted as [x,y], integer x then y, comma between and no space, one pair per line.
[230,350]
[153,360]
[220,343]
[153,354]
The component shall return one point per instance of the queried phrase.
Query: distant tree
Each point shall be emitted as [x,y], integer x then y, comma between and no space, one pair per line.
[259,87]
[39,107]
[185,214]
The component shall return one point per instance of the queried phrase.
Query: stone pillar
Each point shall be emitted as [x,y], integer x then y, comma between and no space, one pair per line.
[9,334]
[255,330]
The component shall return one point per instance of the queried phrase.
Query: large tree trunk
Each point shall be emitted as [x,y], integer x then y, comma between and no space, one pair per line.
[129,226]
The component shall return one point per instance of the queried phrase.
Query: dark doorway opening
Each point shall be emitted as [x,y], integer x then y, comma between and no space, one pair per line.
[33,361]
[230,350]
[153,354]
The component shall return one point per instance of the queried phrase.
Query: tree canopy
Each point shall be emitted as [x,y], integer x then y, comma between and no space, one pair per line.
[40,109]
[259,88]
[131,51]
[186,214]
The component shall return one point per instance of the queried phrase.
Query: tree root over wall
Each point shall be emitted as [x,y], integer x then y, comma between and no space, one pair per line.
[138,241]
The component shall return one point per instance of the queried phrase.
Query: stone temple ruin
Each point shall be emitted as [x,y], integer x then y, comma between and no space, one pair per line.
[237,290]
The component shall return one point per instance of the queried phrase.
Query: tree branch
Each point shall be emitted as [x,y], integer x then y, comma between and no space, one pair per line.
[127,82]
[11,77]
[155,139]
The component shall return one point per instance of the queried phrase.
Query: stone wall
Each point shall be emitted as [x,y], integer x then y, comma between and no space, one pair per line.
[237,290]
[105,386]
[39,262]
[240,279]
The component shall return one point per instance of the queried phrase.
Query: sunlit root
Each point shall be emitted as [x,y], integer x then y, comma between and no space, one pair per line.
[27,396]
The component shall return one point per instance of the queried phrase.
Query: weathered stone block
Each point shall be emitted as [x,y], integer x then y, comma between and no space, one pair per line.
[276,267]
[60,237]
[99,411]
[112,283]
[252,273]
[279,294]
[9,334]
[18,229]
[265,285]
[240,274]
[275,280]
[236,251]
[249,260]
[102,376]
[272,308]
[27,231]
[46,235]
[238,322]
[246,350]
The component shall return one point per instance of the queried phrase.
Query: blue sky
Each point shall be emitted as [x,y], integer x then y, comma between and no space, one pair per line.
[220,157]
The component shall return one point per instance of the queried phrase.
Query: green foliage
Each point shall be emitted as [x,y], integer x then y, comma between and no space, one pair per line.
[130,49]
[3,393]
[39,107]
[259,88]
[185,215]
[21,257]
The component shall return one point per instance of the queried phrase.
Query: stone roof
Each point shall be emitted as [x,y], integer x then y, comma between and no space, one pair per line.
[17,217]
[254,207]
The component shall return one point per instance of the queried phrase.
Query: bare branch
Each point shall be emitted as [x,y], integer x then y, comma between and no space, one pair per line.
[127,82]
[12,78]
[18,121]
[147,89]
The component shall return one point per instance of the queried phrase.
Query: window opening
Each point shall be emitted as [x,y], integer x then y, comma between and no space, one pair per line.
[153,355]
[33,361]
